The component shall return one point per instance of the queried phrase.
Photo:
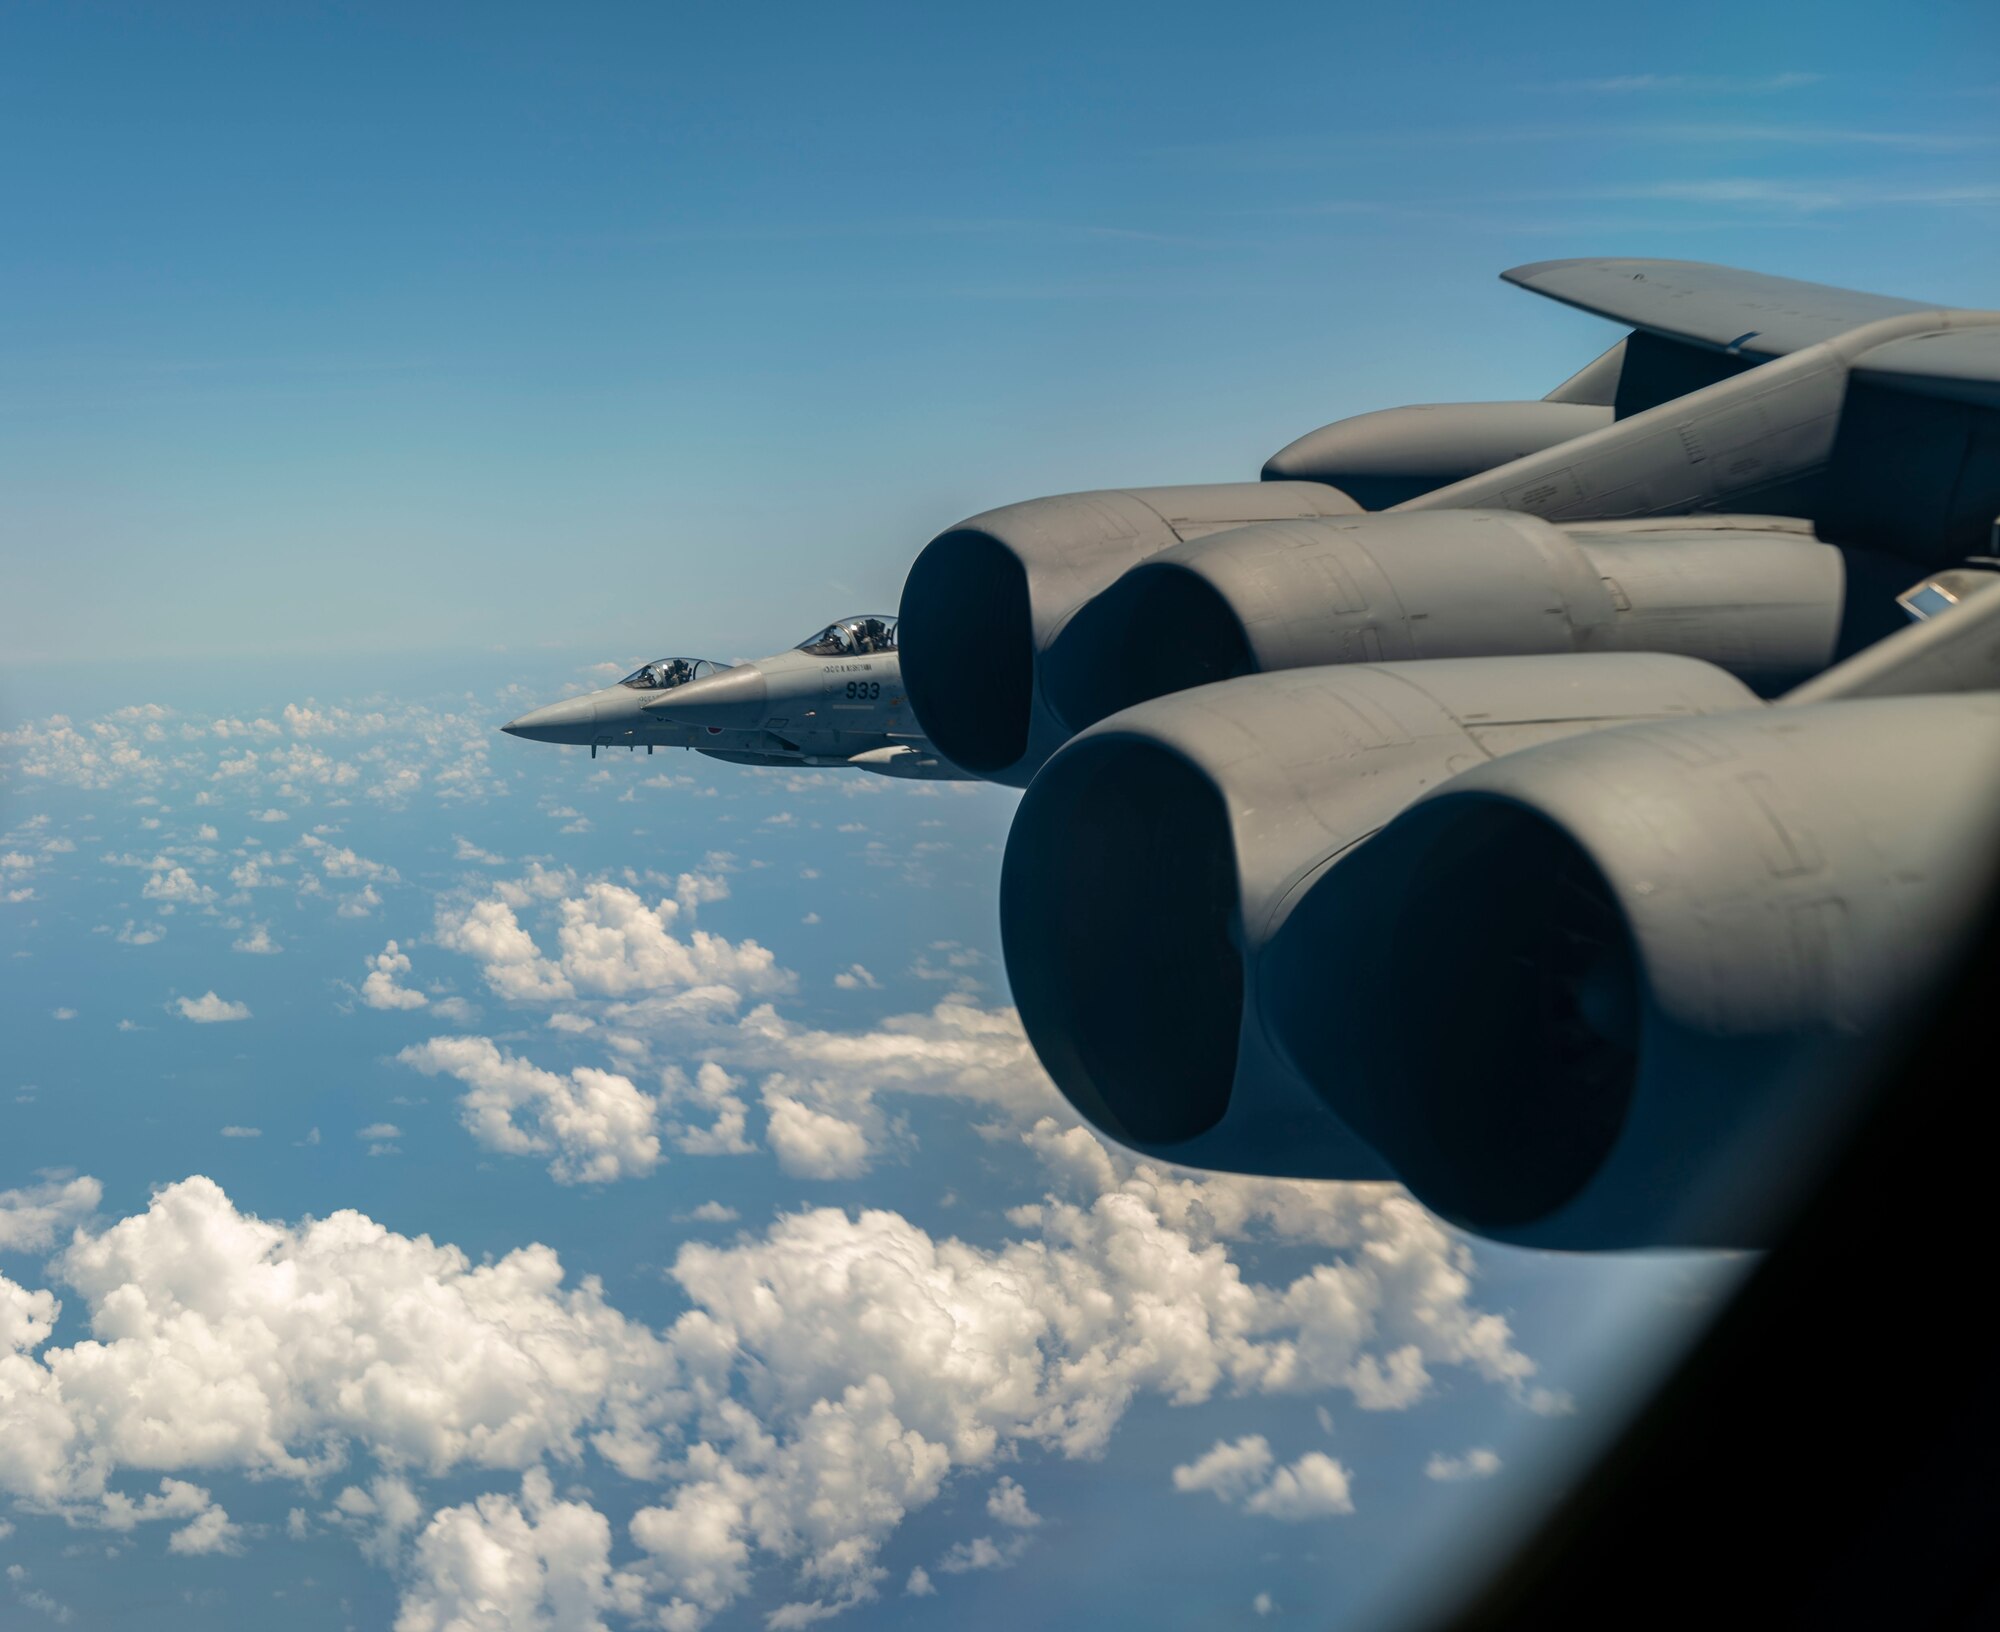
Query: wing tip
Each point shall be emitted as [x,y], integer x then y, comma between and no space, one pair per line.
[1525,275]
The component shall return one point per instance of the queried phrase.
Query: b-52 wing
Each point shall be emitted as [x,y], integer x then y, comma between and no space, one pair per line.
[1723,308]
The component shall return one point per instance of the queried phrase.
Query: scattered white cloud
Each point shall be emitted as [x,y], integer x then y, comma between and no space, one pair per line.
[829,1375]
[854,978]
[504,1563]
[810,1143]
[980,1553]
[1008,1503]
[919,1584]
[1314,1487]
[1262,1604]
[135,934]
[1228,1470]
[709,1212]
[208,1009]
[32,1218]
[235,1131]
[598,1125]
[1241,1472]
[177,885]
[1477,1463]
[609,943]
[715,1092]
[380,991]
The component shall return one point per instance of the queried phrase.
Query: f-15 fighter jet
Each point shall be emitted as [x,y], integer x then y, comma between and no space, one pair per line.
[836,700]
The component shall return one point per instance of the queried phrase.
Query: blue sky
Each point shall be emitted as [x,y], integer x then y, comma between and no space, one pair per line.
[384,327]
[444,1172]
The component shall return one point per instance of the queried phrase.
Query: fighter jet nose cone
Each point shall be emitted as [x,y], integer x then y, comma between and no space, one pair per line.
[568,721]
[735,698]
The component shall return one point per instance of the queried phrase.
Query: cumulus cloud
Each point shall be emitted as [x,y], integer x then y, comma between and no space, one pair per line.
[609,943]
[208,1009]
[598,1125]
[813,1143]
[717,1094]
[1314,1487]
[828,1376]
[380,991]
[338,862]
[258,942]
[499,1564]
[32,1218]
[957,1049]
[176,885]
[1228,1470]
[1241,1472]
[134,934]
[225,1341]
[1008,1503]
[1477,1463]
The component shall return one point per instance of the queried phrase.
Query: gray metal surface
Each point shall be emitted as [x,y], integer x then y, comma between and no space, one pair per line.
[1156,856]
[1721,307]
[1773,889]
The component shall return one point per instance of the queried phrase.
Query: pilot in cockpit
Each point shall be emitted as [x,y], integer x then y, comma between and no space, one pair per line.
[872,634]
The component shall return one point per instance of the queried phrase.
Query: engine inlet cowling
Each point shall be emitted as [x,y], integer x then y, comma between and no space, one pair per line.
[1613,991]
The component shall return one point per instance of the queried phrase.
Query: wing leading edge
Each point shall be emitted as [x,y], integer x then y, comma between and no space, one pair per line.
[1751,315]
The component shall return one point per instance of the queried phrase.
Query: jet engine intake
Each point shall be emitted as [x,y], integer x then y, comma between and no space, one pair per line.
[985,598]
[1155,856]
[1613,991]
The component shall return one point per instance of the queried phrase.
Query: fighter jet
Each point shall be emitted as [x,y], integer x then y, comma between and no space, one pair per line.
[1555,806]
[835,700]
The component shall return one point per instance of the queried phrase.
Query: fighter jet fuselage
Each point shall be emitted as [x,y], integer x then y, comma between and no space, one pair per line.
[836,700]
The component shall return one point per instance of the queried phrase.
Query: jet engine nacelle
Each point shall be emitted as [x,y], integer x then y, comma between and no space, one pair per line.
[1614,991]
[1758,596]
[1154,858]
[1395,454]
[985,599]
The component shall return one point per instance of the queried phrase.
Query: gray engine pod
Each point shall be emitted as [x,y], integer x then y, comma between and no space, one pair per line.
[1614,991]
[984,599]
[1154,856]
[1393,454]
[1761,598]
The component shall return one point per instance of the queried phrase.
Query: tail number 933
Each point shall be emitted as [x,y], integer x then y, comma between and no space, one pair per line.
[864,691]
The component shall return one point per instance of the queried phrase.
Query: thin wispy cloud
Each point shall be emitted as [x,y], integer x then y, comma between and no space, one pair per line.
[1806,197]
[1734,195]
[1689,84]
[1327,150]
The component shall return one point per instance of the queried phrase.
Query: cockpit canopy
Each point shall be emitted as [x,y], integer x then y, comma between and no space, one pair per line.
[852,637]
[664,673]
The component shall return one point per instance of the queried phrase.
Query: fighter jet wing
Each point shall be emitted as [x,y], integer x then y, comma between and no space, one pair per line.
[1722,308]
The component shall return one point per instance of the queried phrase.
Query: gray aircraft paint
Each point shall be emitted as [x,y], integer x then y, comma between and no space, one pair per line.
[788,709]
[1588,947]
